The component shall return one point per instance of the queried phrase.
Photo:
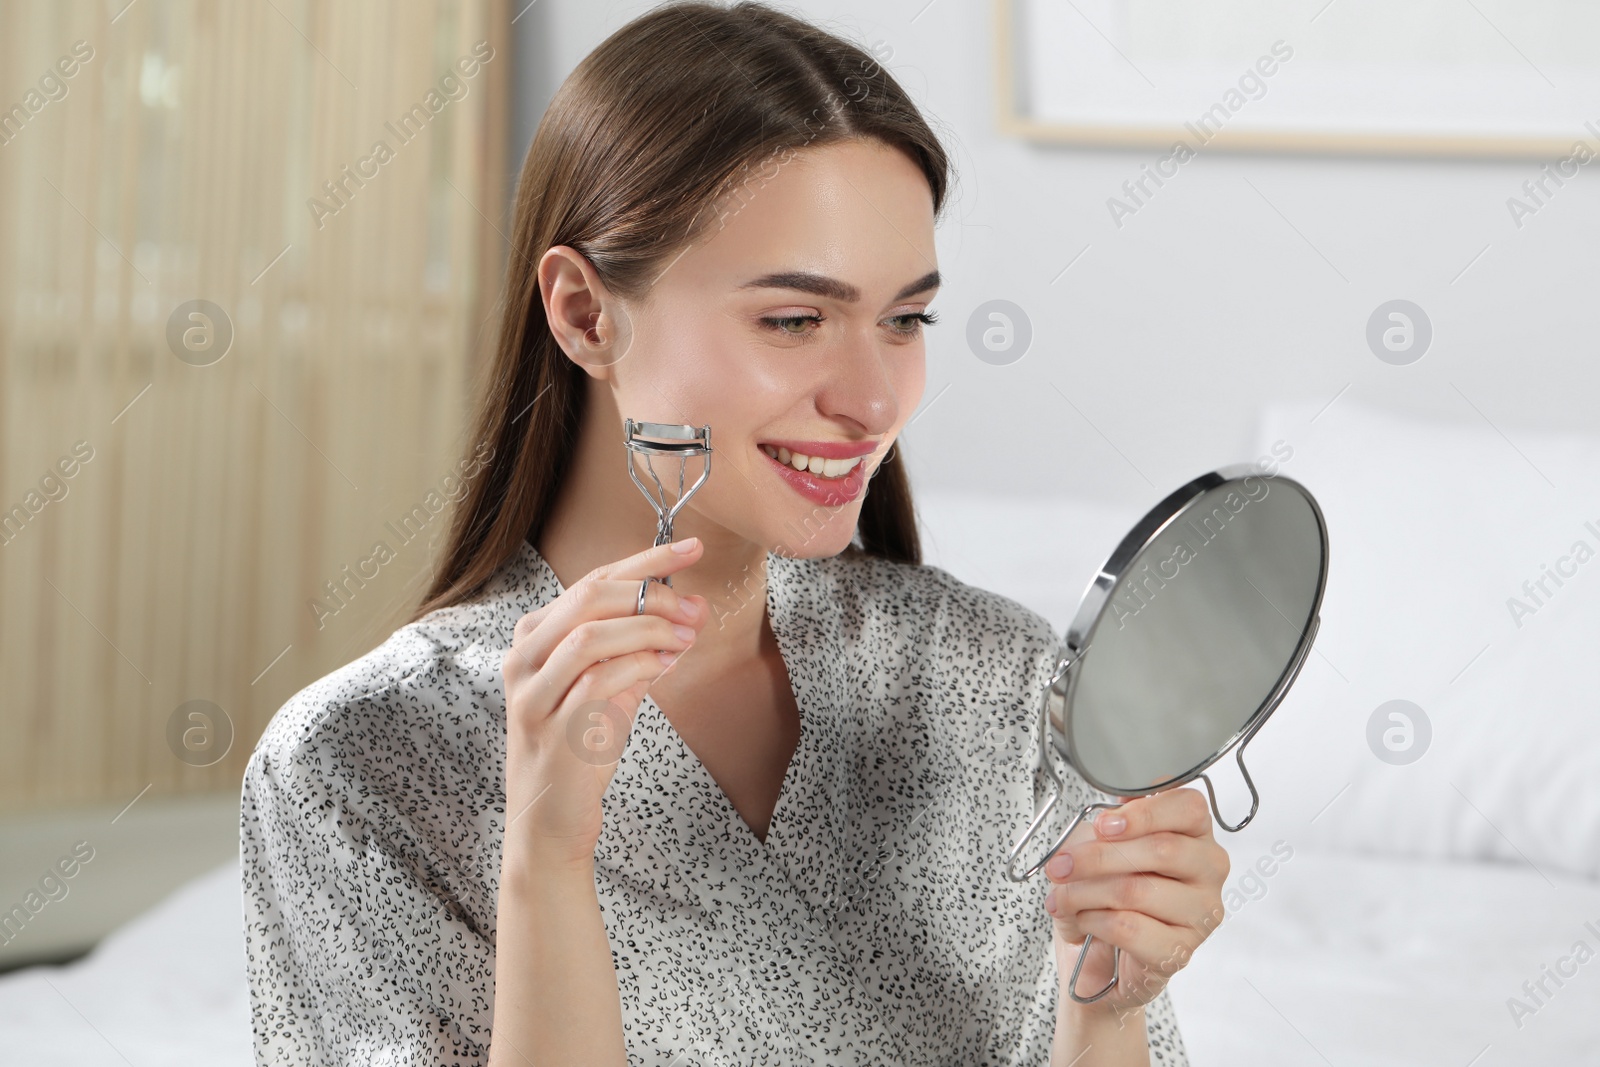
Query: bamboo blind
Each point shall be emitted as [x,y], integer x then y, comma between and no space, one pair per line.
[210,500]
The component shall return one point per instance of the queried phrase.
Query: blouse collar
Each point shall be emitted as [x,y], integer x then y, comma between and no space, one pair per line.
[672,833]
[808,604]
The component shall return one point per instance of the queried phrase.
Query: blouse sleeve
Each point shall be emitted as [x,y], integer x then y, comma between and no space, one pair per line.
[1025,653]
[351,957]
[1161,1030]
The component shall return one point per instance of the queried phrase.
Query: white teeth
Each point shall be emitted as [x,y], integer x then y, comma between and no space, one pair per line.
[823,468]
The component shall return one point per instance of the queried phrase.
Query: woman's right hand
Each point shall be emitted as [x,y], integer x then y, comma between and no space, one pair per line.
[575,674]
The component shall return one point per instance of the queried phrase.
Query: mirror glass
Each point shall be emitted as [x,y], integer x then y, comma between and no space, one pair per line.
[1196,631]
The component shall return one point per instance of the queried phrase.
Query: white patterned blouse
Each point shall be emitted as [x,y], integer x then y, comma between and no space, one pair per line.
[875,925]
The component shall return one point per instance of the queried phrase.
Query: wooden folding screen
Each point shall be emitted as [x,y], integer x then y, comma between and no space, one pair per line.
[248,257]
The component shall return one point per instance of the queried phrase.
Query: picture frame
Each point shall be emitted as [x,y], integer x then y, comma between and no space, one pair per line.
[1486,79]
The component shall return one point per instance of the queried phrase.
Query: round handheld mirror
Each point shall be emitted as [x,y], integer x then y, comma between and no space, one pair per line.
[1186,640]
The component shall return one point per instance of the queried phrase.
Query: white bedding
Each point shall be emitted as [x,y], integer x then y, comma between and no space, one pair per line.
[166,988]
[1361,960]
[1338,959]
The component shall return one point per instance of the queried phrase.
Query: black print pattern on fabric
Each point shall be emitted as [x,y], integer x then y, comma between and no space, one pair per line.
[874,926]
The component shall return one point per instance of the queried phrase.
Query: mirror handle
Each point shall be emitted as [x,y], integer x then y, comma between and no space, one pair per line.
[1088,939]
[1083,954]
[1038,819]
[1044,763]
[1255,797]
[1033,827]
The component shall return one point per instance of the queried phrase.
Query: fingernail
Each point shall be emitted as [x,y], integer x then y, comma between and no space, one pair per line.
[685,633]
[690,608]
[666,658]
[686,545]
[1050,902]
[1113,824]
[1060,865]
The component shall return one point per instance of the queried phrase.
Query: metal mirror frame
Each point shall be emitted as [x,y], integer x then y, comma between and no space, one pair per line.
[1077,644]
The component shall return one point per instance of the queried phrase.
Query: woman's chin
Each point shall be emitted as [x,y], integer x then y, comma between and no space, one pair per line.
[806,539]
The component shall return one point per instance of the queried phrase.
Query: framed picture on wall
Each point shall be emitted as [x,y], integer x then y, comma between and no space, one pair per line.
[1485,78]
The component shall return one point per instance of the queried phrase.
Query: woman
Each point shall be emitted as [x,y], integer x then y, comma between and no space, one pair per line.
[516,832]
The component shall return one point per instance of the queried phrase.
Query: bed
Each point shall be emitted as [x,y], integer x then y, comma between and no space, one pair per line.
[1444,911]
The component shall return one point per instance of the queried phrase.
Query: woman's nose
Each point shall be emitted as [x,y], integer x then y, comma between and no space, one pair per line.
[860,384]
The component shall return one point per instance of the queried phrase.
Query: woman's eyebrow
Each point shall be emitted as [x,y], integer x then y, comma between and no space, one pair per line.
[833,288]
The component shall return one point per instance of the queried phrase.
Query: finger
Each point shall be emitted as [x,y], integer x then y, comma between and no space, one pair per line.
[658,561]
[1068,927]
[602,681]
[529,622]
[598,640]
[596,599]
[1149,941]
[613,677]
[601,601]
[601,639]
[1181,811]
[1172,902]
[654,562]
[1167,853]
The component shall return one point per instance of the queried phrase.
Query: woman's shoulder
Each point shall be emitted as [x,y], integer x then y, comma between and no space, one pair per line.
[932,613]
[425,684]
[967,619]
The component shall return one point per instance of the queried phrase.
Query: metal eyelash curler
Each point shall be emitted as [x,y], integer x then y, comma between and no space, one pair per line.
[665,439]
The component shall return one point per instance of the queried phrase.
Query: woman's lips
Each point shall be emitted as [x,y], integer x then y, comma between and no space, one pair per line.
[833,492]
[826,449]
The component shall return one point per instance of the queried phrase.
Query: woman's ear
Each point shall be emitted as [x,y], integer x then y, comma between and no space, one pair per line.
[586,319]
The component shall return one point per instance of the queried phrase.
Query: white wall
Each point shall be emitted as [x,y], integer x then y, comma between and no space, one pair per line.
[1170,332]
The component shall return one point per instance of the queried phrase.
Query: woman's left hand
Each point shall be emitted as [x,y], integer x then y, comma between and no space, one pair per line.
[1147,880]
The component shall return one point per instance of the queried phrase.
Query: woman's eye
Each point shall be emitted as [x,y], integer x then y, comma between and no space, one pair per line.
[914,321]
[791,324]
[799,325]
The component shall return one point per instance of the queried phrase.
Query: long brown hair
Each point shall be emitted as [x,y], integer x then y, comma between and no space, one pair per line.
[648,132]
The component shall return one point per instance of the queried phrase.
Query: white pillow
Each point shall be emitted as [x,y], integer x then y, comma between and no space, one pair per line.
[1434,528]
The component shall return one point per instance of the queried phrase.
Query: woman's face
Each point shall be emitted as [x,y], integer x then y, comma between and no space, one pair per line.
[794,324]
